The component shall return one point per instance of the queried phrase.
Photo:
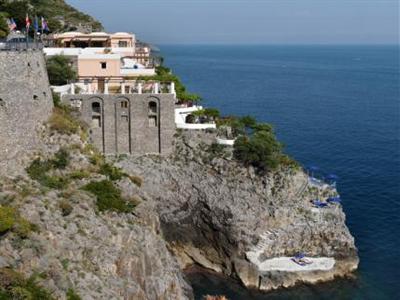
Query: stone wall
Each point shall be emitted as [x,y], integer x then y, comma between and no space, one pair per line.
[127,123]
[25,103]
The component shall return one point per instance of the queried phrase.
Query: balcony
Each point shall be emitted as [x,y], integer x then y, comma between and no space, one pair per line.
[112,86]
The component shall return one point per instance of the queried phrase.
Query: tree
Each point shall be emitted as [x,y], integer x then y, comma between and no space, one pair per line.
[59,70]
[211,113]
[260,150]
[248,121]
[3,26]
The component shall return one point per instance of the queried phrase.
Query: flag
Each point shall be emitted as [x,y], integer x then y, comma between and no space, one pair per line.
[27,22]
[36,24]
[44,25]
[11,24]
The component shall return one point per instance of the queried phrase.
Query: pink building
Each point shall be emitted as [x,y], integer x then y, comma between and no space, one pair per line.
[104,61]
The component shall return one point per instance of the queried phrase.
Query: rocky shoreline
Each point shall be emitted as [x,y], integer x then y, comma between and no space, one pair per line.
[195,207]
[213,212]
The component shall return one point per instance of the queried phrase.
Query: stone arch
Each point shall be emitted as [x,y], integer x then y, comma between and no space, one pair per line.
[154,121]
[95,110]
[123,125]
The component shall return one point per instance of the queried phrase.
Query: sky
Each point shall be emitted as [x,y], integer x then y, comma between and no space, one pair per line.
[250,21]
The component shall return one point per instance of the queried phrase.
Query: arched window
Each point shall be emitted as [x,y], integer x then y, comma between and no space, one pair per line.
[153,121]
[96,107]
[124,104]
[152,107]
[35,97]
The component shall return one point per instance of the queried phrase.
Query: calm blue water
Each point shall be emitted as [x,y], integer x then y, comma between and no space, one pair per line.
[336,107]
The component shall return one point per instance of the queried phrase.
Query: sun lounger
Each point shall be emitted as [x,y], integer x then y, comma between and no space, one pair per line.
[319,204]
[301,260]
[334,200]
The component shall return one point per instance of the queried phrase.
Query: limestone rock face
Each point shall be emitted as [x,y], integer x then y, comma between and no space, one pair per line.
[226,218]
[25,103]
[101,255]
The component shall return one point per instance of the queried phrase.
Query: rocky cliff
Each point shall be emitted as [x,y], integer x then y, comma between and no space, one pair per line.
[60,234]
[196,206]
[224,217]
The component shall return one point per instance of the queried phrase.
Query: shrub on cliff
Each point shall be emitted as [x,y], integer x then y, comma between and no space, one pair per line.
[7,218]
[260,150]
[72,295]
[62,121]
[59,70]
[108,196]
[14,285]
[3,26]
[38,170]
[10,220]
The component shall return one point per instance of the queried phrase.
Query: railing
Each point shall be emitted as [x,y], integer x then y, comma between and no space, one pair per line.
[19,46]
[114,86]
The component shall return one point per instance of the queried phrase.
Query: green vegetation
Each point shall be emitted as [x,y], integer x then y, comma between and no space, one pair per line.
[261,150]
[10,220]
[3,25]
[256,144]
[108,197]
[63,122]
[56,99]
[79,174]
[59,15]
[208,114]
[60,70]
[14,285]
[72,295]
[7,218]
[66,207]
[113,173]
[164,75]
[239,125]
[38,170]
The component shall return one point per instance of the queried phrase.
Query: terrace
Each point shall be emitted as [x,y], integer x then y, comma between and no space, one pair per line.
[114,86]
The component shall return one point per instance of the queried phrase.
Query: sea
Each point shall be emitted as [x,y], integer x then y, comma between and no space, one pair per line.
[336,107]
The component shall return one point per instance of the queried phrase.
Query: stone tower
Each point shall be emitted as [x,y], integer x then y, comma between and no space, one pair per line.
[25,103]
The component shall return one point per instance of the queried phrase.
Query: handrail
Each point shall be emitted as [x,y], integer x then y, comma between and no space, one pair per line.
[20,46]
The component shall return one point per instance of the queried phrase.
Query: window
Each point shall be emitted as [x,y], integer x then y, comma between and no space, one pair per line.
[123,44]
[124,118]
[96,107]
[152,107]
[124,104]
[35,97]
[103,65]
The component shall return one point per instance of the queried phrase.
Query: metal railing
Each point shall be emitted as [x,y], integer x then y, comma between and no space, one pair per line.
[19,46]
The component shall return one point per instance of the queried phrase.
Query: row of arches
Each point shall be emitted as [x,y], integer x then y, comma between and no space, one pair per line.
[122,122]
[152,107]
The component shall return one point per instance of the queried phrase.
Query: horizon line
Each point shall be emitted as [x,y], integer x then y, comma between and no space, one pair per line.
[275,44]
